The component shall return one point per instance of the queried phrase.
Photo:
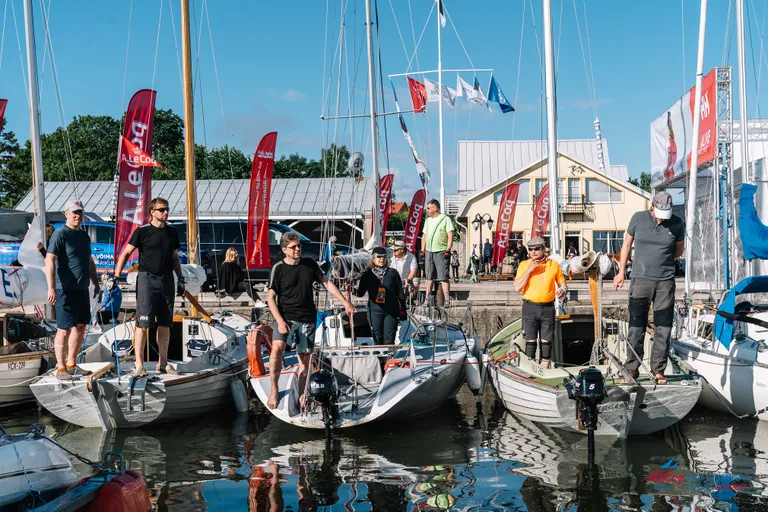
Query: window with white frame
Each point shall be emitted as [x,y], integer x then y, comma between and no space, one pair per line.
[608,242]
[540,182]
[523,195]
[600,192]
[574,190]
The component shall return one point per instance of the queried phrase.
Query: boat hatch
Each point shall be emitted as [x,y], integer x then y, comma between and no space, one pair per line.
[575,339]
[362,328]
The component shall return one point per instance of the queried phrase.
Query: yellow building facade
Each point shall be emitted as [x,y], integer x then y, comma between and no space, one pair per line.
[595,209]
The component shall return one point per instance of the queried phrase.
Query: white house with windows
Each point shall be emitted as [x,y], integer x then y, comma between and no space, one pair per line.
[595,206]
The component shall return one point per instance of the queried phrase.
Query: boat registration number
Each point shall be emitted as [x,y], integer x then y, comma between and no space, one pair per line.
[538,370]
[17,365]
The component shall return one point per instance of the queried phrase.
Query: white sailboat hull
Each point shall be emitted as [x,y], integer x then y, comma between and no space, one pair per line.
[16,372]
[29,461]
[735,381]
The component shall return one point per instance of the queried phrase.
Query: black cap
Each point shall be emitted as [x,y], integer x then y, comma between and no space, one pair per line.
[380,251]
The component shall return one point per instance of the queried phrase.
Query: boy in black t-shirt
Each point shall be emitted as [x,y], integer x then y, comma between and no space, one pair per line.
[292,305]
[158,244]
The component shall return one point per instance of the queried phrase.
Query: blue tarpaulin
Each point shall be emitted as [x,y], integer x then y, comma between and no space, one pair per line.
[724,326]
[754,234]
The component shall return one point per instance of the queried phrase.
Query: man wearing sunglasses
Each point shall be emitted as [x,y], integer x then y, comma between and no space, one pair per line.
[158,245]
[291,302]
[541,281]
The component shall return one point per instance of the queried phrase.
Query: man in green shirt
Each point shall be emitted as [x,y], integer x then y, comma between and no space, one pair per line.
[436,244]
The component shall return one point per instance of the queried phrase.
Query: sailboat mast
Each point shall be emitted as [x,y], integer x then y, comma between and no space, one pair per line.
[374,132]
[690,215]
[440,108]
[189,134]
[34,119]
[552,174]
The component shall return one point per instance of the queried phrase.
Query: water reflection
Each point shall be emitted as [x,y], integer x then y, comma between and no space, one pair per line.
[459,458]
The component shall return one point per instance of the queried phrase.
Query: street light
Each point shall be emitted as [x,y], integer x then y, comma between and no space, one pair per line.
[477,223]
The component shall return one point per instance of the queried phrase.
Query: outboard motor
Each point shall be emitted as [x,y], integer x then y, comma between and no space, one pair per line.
[324,390]
[588,391]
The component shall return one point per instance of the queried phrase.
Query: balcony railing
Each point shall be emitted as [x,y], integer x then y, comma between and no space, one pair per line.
[569,207]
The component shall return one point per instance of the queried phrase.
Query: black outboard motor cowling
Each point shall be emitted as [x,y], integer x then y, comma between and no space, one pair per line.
[322,388]
[590,385]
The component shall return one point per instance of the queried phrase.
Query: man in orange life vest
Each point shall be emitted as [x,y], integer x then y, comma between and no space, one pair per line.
[540,280]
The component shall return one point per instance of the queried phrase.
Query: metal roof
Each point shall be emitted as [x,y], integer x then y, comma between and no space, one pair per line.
[290,199]
[483,163]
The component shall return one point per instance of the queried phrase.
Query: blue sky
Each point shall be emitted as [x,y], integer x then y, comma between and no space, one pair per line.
[273,68]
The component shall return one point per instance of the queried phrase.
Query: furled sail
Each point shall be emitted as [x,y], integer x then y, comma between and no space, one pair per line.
[754,234]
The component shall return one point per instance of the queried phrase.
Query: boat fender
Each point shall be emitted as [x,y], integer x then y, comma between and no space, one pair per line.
[257,335]
[239,394]
[395,363]
[126,492]
[472,372]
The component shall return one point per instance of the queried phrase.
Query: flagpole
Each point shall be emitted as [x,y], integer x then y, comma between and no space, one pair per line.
[440,108]
[376,231]
[552,174]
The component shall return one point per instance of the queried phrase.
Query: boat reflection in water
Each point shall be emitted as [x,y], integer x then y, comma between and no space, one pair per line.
[454,459]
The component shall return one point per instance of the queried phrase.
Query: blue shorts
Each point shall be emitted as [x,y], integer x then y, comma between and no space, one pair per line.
[304,335]
[73,307]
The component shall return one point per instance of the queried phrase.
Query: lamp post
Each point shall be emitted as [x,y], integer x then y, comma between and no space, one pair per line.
[477,223]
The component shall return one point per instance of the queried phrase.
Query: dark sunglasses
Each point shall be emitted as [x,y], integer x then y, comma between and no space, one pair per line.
[537,248]
[162,210]
[380,256]
[293,247]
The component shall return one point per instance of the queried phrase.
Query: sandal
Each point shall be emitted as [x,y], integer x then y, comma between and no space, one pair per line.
[632,373]
[660,378]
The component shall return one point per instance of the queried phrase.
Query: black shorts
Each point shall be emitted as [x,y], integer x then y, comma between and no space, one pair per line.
[154,300]
[73,308]
[538,320]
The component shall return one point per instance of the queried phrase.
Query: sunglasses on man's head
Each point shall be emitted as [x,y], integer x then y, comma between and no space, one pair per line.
[162,210]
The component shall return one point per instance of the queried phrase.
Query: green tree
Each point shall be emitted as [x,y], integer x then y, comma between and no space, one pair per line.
[333,161]
[396,221]
[644,182]
[12,187]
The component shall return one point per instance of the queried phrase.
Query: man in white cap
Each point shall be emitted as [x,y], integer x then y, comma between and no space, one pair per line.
[658,238]
[68,267]
[405,264]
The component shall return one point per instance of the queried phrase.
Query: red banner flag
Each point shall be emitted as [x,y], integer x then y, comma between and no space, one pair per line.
[413,223]
[385,192]
[541,213]
[3,103]
[133,154]
[257,247]
[418,94]
[134,187]
[507,207]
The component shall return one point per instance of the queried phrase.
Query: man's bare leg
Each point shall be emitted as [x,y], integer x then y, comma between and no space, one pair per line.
[303,367]
[446,291]
[74,342]
[163,340]
[428,290]
[275,367]
[60,347]
[140,336]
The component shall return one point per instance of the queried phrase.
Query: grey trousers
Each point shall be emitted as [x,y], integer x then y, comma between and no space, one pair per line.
[641,293]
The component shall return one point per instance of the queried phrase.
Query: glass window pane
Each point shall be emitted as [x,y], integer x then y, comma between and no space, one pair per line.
[523,195]
[608,242]
[105,235]
[574,190]
[599,192]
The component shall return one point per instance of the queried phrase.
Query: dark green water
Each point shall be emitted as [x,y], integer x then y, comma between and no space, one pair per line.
[459,458]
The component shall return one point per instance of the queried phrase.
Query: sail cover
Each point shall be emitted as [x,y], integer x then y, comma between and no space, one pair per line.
[724,326]
[754,234]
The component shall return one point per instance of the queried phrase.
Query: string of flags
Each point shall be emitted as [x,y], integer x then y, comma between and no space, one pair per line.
[430,91]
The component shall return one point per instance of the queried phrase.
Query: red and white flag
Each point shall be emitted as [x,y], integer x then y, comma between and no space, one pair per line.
[134,186]
[385,192]
[418,95]
[413,225]
[133,154]
[541,213]
[257,247]
[507,207]
[3,103]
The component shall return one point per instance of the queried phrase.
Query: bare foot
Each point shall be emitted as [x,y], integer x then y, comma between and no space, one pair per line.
[302,401]
[272,402]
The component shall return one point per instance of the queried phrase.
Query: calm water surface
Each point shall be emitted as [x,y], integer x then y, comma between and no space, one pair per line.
[463,457]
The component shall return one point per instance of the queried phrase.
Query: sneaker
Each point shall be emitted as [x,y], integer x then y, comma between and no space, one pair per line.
[139,371]
[80,371]
[63,374]
[168,370]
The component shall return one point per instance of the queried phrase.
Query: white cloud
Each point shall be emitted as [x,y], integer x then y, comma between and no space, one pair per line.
[292,95]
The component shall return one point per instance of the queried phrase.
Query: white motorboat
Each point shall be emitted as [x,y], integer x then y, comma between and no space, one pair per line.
[31,463]
[373,383]
[207,356]
[538,394]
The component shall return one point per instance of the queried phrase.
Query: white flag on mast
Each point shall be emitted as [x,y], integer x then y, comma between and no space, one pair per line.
[468,92]
[433,92]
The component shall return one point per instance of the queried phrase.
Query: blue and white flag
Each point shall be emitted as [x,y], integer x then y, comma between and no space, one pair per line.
[480,94]
[421,169]
[495,94]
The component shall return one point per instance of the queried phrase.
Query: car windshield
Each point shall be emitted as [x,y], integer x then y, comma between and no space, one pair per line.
[224,233]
